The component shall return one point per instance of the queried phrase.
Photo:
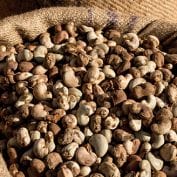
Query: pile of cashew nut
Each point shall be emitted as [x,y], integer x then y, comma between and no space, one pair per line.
[85,102]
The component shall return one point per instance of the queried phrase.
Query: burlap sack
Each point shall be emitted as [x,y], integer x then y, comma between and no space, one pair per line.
[158,17]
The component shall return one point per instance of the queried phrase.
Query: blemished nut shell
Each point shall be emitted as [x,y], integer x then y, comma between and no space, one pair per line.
[109,169]
[168,152]
[99,143]
[85,157]
[53,159]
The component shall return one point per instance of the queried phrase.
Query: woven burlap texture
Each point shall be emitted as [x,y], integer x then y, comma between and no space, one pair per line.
[157,17]
[29,25]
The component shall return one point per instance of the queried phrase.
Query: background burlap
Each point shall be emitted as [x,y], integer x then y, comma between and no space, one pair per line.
[158,17]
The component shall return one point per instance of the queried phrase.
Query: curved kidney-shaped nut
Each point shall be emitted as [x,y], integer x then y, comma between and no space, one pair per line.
[85,156]
[111,122]
[150,102]
[69,77]
[74,167]
[39,148]
[40,92]
[132,41]
[23,137]
[38,112]
[109,72]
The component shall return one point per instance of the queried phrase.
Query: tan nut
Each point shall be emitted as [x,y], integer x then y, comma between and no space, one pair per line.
[131,40]
[23,137]
[64,172]
[40,92]
[85,156]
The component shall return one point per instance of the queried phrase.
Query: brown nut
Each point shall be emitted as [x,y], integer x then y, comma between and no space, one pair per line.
[85,156]
[53,159]
[37,165]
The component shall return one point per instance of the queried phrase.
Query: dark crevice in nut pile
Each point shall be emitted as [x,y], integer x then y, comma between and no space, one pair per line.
[82,102]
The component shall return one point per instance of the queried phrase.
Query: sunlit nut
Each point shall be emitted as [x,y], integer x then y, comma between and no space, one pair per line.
[69,150]
[145,147]
[148,68]
[24,99]
[40,53]
[25,66]
[60,36]
[109,169]
[78,136]
[74,167]
[23,137]
[131,40]
[36,79]
[40,92]
[72,101]
[159,174]
[145,168]
[75,92]
[108,71]
[39,148]
[38,112]
[118,96]
[168,152]
[95,123]
[50,61]
[39,70]
[155,162]
[156,76]
[171,136]
[157,141]
[19,174]
[111,122]
[54,128]
[69,121]
[140,60]
[53,159]
[143,136]
[119,153]
[100,144]
[151,42]
[85,156]
[37,165]
[92,74]
[102,111]
[122,135]
[108,134]
[136,82]
[35,135]
[160,102]
[85,171]
[87,132]
[46,40]
[62,102]
[123,81]
[66,137]
[174,124]
[25,55]
[143,90]
[135,124]
[132,146]
[23,76]
[150,102]
[71,29]
[64,172]
[163,118]
[69,77]
[42,126]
